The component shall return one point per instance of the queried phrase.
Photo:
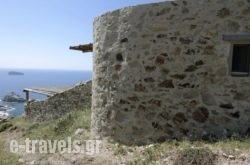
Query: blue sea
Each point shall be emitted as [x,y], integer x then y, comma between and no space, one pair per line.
[35,78]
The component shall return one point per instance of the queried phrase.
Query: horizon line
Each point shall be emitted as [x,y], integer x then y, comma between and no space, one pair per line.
[55,69]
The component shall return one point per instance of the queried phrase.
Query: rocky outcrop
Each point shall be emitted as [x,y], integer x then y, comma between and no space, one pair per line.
[13,97]
[3,115]
[60,104]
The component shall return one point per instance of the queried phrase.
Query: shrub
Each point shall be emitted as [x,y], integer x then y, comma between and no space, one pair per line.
[195,156]
[5,126]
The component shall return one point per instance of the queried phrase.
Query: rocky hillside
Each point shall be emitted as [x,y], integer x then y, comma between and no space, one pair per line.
[59,104]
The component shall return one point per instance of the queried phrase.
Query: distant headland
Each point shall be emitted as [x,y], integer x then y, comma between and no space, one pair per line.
[15,73]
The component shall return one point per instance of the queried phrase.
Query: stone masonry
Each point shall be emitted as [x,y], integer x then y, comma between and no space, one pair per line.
[60,104]
[162,71]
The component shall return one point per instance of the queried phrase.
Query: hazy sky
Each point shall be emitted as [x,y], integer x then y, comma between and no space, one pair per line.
[38,33]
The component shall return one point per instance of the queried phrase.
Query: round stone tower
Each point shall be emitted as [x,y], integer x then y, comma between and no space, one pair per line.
[162,71]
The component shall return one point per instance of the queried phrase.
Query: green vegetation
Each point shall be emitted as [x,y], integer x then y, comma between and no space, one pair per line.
[193,156]
[7,158]
[187,152]
[5,126]
[170,152]
[120,150]
[150,155]
[153,153]
[58,129]
[231,144]
[69,123]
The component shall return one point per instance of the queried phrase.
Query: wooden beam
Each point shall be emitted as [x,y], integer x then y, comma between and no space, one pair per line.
[236,37]
[47,91]
[27,95]
[84,48]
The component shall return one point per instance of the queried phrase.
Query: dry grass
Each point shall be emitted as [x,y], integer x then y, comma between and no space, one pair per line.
[19,129]
[169,152]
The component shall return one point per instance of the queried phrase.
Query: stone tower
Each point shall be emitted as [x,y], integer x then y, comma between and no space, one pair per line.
[164,70]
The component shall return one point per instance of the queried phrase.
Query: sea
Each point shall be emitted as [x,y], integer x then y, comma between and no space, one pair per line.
[35,78]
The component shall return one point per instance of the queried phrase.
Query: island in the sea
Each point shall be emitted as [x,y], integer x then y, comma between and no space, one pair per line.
[15,73]
[13,97]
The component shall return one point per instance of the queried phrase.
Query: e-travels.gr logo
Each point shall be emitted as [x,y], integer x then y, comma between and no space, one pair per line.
[51,146]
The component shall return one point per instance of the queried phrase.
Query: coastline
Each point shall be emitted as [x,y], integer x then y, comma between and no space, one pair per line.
[4,111]
[36,78]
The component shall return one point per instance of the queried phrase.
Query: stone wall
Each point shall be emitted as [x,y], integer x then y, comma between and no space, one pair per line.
[60,104]
[162,71]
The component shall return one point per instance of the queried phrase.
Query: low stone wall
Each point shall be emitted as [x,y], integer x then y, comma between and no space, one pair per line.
[60,104]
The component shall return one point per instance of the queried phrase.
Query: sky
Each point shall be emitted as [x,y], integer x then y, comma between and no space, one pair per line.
[36,34]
